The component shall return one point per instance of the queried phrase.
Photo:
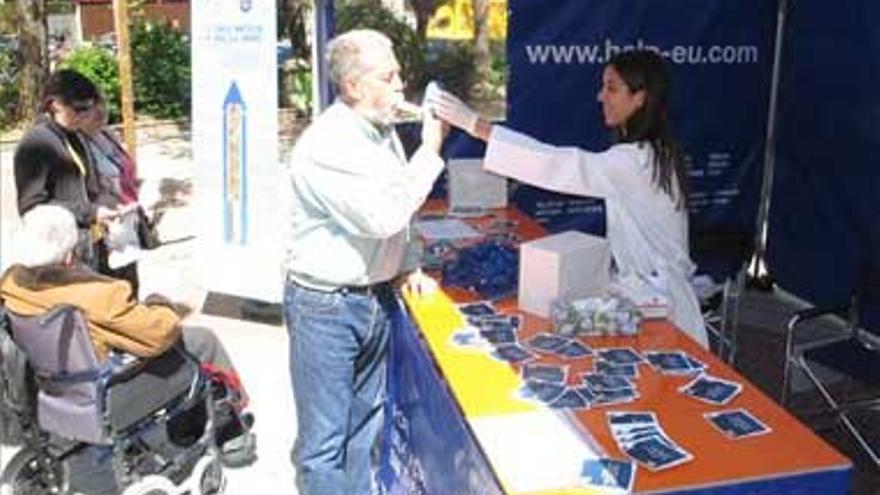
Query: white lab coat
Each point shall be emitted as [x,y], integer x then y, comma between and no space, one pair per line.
[647,234]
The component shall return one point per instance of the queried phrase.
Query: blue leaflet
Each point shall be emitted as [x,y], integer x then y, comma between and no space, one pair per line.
[491,269]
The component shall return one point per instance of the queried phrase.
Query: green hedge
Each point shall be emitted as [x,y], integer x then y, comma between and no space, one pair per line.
[160,70]
[161,65]
[8,89]
[450,63]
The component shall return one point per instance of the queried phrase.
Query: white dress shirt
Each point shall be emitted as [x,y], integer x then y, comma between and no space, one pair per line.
[351,197]
[647,233]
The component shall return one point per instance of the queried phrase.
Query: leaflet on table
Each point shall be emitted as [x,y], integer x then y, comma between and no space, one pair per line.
[447,228]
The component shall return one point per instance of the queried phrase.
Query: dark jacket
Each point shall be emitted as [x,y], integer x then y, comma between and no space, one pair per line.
[45,172]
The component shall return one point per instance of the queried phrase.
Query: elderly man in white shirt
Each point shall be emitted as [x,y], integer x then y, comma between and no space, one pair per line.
[352,196]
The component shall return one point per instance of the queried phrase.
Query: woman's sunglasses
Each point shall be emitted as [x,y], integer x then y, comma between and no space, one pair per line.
[82,106]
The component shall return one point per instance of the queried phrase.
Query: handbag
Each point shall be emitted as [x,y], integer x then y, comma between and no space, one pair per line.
[147,232]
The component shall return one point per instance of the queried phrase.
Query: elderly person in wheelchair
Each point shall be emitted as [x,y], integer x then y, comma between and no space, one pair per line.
[46,281]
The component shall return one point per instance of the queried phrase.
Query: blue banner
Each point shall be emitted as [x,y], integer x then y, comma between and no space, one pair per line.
[720,54]
[824,234]
[427,447]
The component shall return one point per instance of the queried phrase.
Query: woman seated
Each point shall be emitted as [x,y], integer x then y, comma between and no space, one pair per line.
[47,275]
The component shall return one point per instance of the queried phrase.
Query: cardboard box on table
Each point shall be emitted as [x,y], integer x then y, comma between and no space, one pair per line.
[566,265]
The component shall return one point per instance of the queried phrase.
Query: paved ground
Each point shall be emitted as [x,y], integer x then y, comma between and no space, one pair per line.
[259,350]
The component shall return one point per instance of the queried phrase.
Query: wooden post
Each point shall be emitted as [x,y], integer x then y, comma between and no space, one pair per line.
[123,54]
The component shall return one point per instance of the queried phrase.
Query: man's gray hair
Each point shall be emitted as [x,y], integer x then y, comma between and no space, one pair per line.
[48,233]
[345,53]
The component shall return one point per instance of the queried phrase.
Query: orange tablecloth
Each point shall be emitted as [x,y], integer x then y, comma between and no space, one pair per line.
[483,387]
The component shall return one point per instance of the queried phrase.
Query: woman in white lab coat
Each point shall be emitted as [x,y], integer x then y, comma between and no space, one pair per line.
[641,178]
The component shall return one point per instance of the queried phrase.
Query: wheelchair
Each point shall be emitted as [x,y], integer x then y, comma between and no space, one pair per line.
[147,424]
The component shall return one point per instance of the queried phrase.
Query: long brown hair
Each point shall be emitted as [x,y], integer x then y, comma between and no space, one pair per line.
[645,70]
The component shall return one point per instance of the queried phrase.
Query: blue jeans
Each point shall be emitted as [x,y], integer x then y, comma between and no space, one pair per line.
[338,351]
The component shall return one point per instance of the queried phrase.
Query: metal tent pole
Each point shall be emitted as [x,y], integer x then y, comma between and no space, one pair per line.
[763,217]
[323,30]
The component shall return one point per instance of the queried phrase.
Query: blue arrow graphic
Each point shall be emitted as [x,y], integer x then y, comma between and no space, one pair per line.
[234,167]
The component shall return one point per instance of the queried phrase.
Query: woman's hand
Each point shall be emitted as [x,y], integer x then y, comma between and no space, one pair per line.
[450,109]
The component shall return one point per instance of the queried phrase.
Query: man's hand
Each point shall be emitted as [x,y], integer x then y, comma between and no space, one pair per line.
[433,131]
[419,285]
[449,108]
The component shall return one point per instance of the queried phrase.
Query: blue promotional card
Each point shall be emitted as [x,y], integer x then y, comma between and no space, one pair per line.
[737,423]
[620,355]
[712,390]
[499,335]
[573,350]
[482,308]
[598,382]
[544,372]
[657,454]
[609,473]
[670,362]
[547,342]
[570,399]
[624,370]
[541,391]
[512,353]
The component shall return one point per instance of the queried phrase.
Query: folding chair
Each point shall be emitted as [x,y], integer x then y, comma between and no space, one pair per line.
[846,369]
[725,255]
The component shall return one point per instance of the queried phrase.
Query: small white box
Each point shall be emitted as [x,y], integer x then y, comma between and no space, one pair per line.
[472,189]
[570,265]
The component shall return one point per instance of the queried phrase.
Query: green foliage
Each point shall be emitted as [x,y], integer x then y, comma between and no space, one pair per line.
[450,63]
[8,88]
[498,70]
[8,18]
[161,64]
[99,65]
[371,14]
[301,90]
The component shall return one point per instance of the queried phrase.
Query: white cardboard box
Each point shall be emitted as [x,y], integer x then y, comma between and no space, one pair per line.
[569,264]
[472,189]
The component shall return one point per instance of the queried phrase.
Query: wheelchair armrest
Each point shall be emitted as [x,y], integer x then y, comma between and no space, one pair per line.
[121,366]
[811,314]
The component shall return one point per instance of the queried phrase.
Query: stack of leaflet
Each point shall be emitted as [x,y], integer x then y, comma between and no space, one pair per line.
[648,294]
[487,330]
[595,316]
[639,435]
[487,268]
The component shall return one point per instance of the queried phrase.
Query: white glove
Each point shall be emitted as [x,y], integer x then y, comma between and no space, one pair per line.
[450,109]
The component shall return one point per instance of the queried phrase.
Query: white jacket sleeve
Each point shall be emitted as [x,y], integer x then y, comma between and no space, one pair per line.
[567,170]
[367,192]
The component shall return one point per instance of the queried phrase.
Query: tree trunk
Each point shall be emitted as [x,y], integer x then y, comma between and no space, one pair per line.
[293,18]
[33,38]
[482,49]
[423,12]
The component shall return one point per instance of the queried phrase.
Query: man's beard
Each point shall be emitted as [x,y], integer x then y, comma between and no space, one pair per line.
[381,118]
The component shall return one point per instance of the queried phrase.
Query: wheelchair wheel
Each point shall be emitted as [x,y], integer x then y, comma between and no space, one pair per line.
[30,472]
[207,477]
[151,485]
